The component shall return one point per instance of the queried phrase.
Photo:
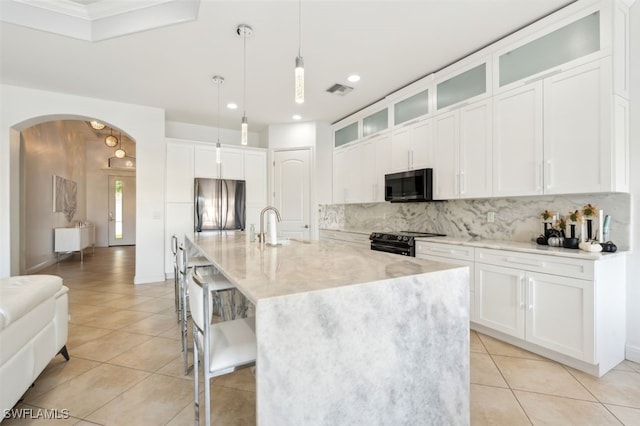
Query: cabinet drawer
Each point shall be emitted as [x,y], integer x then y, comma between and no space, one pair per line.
[556,265]
[451,251]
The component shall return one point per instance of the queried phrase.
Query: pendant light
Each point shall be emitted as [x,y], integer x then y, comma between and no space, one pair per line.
[218,80]
[299,70]
[120,153]
[244,31]
[111,140]
[95,124]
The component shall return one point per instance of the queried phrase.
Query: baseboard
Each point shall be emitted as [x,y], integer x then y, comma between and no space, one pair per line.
[40,266]
[157,279]
[632,353]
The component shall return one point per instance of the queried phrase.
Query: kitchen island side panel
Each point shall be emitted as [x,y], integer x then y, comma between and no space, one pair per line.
[392,352]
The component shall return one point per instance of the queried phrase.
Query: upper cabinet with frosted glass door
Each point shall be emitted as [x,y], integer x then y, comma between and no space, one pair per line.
[462,129]
[412,136]
[561,108]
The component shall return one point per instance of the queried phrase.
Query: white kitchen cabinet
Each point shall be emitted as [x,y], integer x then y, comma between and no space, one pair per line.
[410,108]
[462,83]
[412,146]
[231,162]
[376,122]
[255,176]
[561,135]
[577,130]
[567,309]
[463,152]
[517,142]
[359,170]
[346,134]
[551,311]
[180,172]
[454,254]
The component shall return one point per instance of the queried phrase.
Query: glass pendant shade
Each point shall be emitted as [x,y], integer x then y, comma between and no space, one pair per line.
[218,153]
[120,153]
[111,141]
[97,125]
[299,80]
[244,130]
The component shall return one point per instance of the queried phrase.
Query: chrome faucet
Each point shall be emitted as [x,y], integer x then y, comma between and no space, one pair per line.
[261,235]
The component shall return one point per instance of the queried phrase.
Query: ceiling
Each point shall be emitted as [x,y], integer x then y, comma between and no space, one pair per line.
[388,43]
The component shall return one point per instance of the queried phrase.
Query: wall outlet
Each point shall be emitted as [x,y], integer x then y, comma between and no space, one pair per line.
[491,217]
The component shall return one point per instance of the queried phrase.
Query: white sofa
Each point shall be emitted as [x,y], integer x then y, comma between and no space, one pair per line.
[34,316]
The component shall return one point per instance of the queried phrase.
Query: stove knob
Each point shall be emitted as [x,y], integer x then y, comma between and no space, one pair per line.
[378,235]
[399,237]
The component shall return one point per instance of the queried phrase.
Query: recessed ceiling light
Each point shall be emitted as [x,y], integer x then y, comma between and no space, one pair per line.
[232,105]
[296,117]
[353,78]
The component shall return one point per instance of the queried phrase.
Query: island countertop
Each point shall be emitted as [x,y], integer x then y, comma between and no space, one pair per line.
[261,271]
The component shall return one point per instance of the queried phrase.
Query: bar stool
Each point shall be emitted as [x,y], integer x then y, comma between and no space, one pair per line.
[224,346]
[217,284]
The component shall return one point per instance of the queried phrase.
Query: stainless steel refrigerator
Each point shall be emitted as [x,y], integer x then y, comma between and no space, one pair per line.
[219,204]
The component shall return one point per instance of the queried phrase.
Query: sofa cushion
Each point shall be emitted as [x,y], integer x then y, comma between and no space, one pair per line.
[20,294]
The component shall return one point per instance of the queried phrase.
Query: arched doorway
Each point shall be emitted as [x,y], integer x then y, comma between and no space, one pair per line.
[70,150]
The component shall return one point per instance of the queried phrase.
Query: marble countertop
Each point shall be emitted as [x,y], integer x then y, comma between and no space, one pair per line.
[526,247]
[261,271]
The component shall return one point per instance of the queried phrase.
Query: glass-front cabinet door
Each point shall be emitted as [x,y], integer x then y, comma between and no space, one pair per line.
[572,41]
[413,107]
[375,122]
[346,134]
[461,87]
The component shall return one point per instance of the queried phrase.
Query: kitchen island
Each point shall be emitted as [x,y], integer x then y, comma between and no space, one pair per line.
[348,336]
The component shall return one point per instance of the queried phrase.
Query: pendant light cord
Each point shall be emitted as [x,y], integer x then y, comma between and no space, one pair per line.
[299,26]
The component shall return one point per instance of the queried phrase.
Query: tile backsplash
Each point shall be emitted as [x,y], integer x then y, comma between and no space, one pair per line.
[516,218]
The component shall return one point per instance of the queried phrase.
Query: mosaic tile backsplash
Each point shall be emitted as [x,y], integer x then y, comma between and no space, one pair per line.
[516,218]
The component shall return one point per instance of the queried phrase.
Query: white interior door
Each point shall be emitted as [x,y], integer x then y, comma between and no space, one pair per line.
[291,192]
[122,210]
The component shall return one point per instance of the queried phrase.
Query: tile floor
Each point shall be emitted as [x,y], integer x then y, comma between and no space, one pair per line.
[126,366]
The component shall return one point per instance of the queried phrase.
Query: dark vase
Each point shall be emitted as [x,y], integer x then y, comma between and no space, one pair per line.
[589,229]
[573,230]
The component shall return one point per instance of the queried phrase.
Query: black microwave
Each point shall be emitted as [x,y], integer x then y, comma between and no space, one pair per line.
[414,185]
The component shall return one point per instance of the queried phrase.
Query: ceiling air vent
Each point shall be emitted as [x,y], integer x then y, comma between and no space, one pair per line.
[339,89]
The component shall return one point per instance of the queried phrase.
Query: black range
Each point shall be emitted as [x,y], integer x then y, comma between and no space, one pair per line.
[402,242]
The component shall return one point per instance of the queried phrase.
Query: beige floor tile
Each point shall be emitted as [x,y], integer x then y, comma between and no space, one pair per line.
[475,343]
[495,406]
[175,367]
[627,365]
[152,401]
[616,387]
[150,355]
[118,319]
[484,371]
[628,416]
[86,393]
[127,301]
[155,305]
[80,334]
[57,372]
[554,410]
[232,407]
[110,346]
[90,297]
[87,423]
[540,376]
[241,379]
[152,325]
[82,314]
[496,347]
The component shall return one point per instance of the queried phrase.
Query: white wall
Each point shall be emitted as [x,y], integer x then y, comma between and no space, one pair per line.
[48,151]
[21,108]
[324,163]
[633,261]
[195,132]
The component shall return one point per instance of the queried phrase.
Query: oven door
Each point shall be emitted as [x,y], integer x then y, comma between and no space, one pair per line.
[390,248]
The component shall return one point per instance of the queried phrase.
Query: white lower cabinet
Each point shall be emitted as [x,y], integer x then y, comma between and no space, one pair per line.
[551,311]
[567,309]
